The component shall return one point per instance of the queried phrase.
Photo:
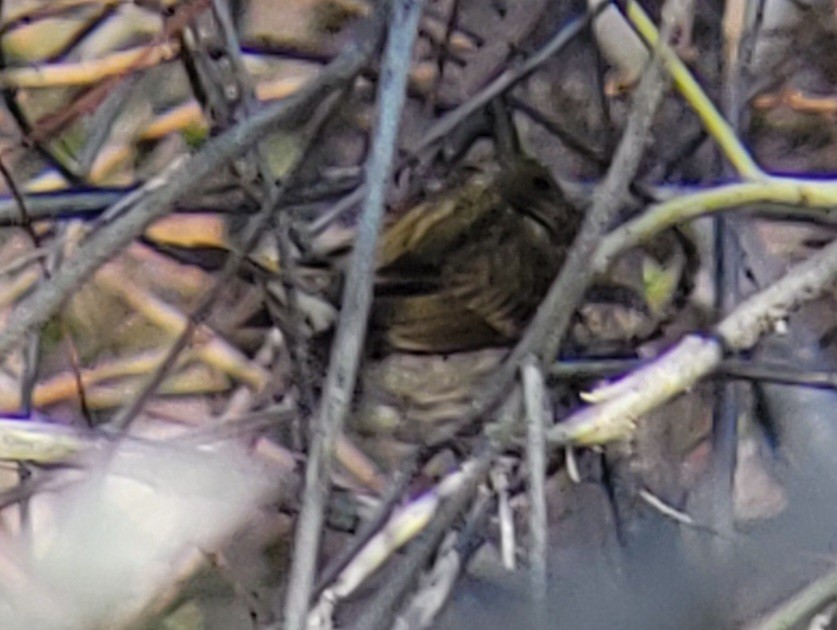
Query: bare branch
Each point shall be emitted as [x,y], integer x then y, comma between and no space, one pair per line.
[547,329]
[622,402]
[357,300]
[533,399]
[156,196]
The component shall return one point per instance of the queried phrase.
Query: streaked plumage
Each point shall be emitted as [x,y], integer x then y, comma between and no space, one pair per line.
[467,269]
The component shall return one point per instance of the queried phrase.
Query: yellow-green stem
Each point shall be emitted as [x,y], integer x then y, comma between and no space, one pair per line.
[713,121]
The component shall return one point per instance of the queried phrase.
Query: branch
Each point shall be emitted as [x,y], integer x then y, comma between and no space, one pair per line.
[690,89]
[546,331]
[357,300]
[453,119]
[621,403]
[155,198]
[807,193]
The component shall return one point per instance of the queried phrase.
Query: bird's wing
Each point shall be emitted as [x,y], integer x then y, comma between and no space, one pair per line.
[423,236]
[483,297]
[438,322]
[502,284]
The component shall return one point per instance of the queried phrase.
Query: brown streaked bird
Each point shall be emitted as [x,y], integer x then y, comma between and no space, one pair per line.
[467,268]
[463,270]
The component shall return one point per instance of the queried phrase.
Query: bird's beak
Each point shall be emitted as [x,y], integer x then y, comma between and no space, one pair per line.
[543,212]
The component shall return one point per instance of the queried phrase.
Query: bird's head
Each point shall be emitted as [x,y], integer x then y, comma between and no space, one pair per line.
[530,188]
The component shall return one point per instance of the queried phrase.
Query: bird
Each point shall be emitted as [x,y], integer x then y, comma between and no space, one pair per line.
[463,269]
[466,268]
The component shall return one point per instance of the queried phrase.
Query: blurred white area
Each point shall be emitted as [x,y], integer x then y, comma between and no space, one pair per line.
[112,545]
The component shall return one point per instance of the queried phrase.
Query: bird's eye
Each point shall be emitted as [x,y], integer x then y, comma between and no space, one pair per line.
[542,184]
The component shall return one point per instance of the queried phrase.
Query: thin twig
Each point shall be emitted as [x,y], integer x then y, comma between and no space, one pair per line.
[452,120]
[664,508]
[580,145]
[357,300]
[379,613]
[502,84]
[730,397]
[713,122]
[679,369]
[89,204]
[160,194]
[752,370]
[533,400]
[499,477]
[384,604]
[32,353]
[298,349]
[546,331]
[370,527]
[101,123]
[253,232]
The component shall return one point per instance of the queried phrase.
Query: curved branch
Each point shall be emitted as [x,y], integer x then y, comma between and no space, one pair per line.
[617,406]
